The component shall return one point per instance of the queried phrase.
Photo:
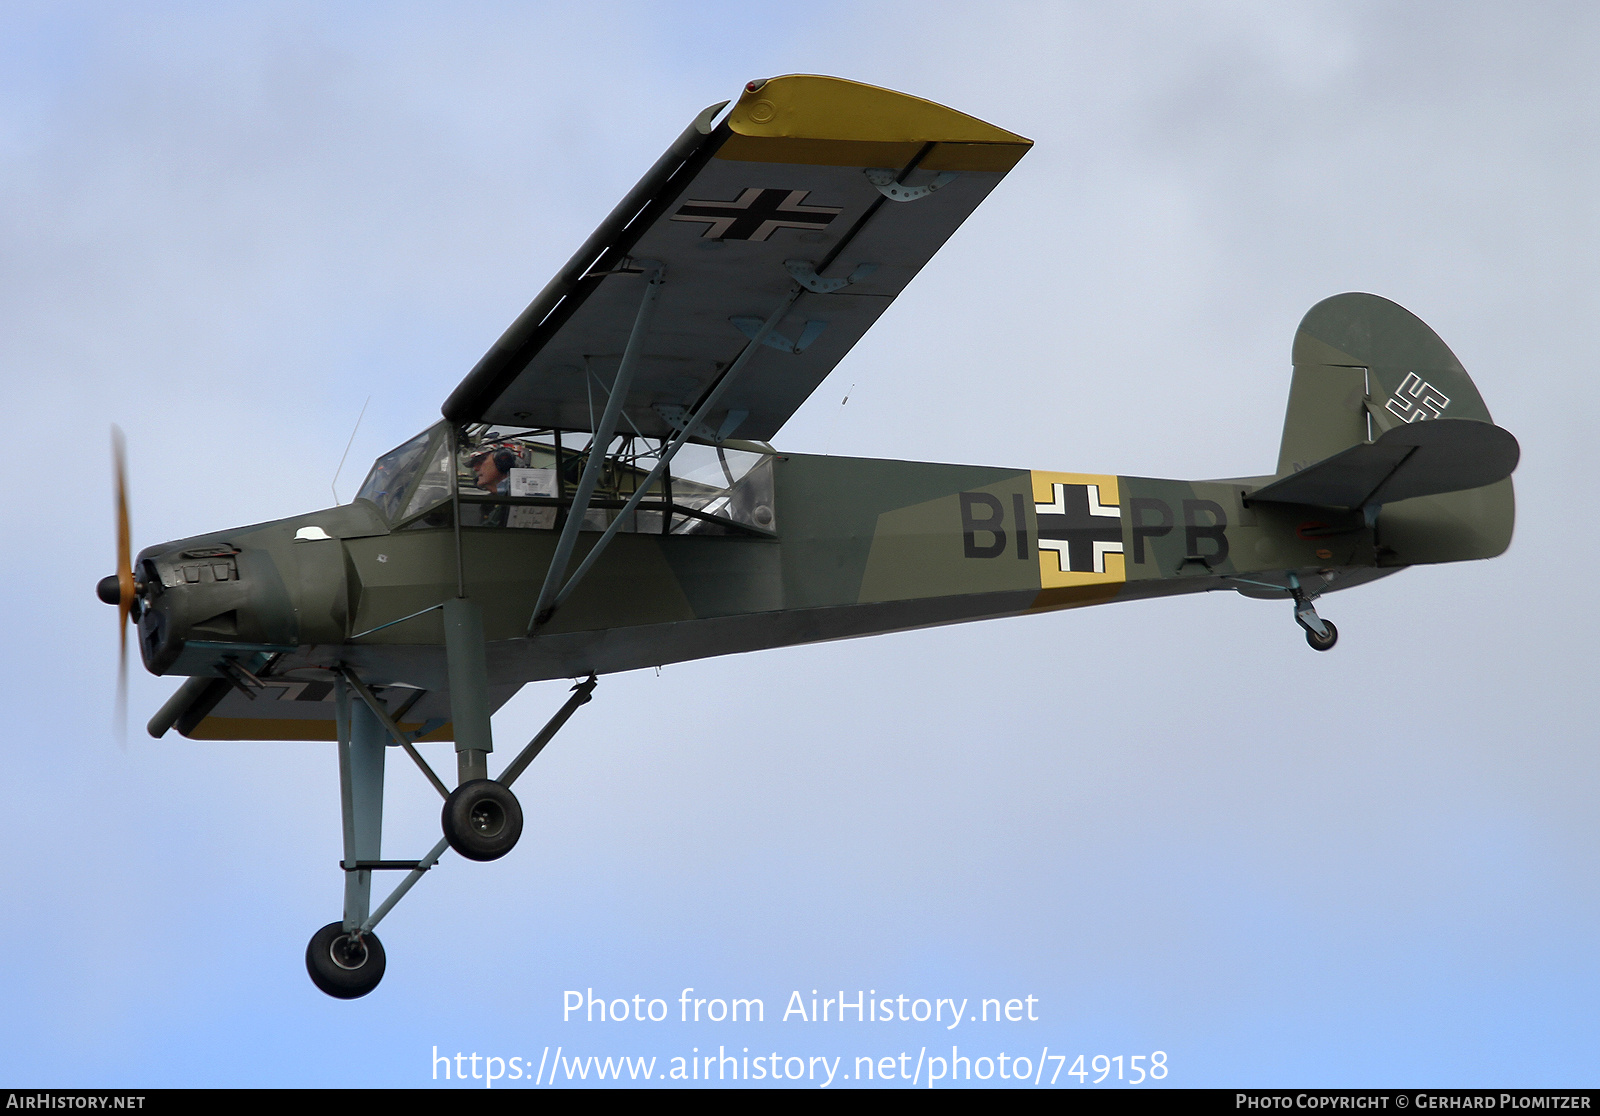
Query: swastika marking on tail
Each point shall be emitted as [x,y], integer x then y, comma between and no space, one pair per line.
[1417,400]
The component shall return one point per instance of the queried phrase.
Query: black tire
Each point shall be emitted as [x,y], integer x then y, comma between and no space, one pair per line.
[1319,643]
[482,820]
[342,966]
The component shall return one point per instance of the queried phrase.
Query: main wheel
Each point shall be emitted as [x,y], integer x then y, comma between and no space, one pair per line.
[482,820]
[343,965]
[1323,643]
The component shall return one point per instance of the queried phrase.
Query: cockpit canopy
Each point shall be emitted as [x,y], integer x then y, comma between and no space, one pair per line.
[526,478]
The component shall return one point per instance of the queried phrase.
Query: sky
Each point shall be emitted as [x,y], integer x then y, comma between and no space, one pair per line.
[1171,824]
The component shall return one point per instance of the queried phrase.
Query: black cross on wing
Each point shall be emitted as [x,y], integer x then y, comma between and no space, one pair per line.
[756,214]
[1080,529]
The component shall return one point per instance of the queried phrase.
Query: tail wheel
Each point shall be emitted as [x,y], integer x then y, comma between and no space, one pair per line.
[1323,643]
[344,965]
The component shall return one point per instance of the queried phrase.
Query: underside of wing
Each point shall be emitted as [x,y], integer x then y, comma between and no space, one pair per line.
[844,189]
[295,708]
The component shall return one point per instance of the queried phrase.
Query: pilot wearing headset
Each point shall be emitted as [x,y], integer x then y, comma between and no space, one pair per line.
[492,466]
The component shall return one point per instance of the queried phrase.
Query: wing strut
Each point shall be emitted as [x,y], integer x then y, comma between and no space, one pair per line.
[602,441]
[543,611]
[548,603]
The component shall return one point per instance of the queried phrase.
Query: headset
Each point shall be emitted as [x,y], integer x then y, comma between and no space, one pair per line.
[504,460]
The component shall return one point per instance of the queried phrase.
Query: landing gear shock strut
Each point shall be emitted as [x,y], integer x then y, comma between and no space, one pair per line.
[482,821]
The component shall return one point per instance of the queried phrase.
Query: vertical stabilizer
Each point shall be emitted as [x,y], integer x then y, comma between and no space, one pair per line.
[1361,359]
[1364,366]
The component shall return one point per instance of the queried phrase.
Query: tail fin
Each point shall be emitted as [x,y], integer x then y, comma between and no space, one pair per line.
[1364,366]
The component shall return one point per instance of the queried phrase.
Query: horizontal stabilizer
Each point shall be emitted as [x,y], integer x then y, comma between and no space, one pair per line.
[1422,458]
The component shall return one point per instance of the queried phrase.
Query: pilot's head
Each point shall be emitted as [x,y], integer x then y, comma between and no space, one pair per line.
[491,466]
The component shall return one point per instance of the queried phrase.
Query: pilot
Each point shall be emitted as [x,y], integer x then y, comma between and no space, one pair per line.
[492,466]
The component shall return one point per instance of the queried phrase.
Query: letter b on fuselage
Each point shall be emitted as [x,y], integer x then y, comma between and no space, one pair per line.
[981,517]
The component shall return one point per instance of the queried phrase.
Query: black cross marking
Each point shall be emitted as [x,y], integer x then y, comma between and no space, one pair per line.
[756,214]
[1079,528]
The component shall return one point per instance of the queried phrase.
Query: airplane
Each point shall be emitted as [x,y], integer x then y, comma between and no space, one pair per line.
[601,493]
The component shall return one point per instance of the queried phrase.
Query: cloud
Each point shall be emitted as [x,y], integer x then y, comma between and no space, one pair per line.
[225,228]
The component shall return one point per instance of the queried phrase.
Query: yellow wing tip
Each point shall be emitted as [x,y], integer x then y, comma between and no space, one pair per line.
[815,107]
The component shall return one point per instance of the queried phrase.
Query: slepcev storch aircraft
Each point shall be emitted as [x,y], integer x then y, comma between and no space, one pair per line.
[601,494]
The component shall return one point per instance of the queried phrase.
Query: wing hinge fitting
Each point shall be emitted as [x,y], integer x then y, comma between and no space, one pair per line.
[805,273]
[884,180]
[751,328]
[678,418]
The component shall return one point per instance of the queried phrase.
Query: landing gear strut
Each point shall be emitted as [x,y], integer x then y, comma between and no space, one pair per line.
[1320,633]
[482,820]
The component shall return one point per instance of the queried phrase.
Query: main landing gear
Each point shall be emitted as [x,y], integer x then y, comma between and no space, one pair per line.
[342,964]
[482,819]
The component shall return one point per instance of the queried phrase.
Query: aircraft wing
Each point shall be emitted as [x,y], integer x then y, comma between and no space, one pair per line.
[299,708]
[818,177]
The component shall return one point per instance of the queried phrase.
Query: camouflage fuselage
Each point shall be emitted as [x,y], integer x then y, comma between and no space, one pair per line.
[861,546]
